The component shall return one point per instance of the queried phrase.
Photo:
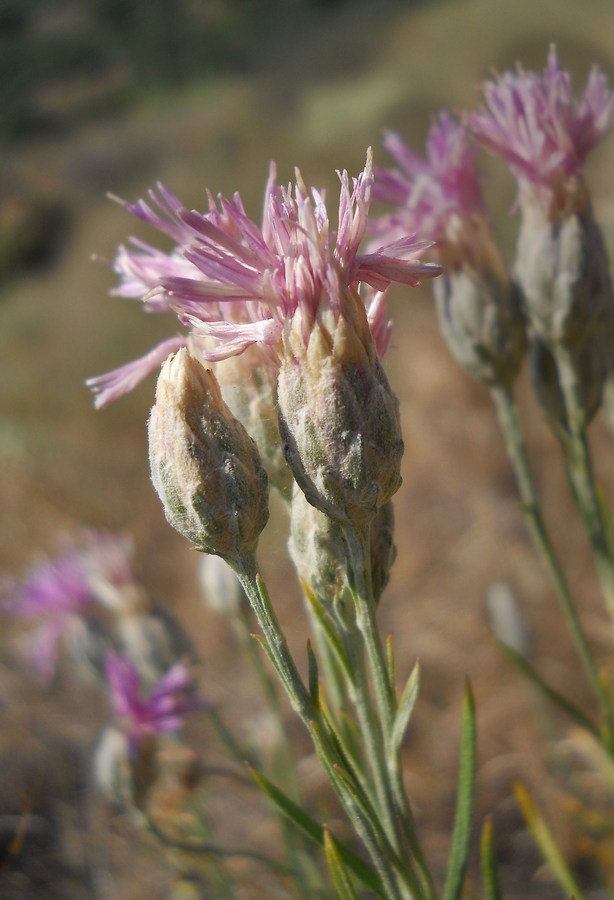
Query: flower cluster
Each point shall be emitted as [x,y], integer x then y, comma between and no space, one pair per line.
[235,284]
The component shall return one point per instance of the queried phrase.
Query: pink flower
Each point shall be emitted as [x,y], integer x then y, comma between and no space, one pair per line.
[55,594]
[432,194]
[61,593]
[143,714]
[234,284]
[537,127]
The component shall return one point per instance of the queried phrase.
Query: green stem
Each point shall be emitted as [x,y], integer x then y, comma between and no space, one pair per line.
[511,429]
[580,468]
[360,560]
[358,807]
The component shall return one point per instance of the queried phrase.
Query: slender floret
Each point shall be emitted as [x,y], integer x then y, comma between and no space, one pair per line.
[233,284]
[161,710]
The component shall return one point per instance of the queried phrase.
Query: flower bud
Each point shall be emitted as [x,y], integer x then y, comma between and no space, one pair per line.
[562,267]
[317,548]
[338,418]
[112,766]
[481,321]
[204,466]
[154,641]
[220,587]
[383,550]
[248,387]
[319,552]
[591,372]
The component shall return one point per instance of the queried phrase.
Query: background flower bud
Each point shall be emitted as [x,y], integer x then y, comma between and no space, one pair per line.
[562,267]
[204,466]
[481,321]
[220,588]
[339,419]
[591,371]
[248,386]
[319,551]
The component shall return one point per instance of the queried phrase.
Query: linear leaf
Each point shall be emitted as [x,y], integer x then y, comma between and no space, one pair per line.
[404,710]
[390,659]
[315,831]
[490,875]
[327,627]
[524,666]
[461,834]
[544,839]
[342,881]
[314,682]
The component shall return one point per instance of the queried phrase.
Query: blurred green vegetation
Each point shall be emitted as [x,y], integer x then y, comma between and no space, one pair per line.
[65,60]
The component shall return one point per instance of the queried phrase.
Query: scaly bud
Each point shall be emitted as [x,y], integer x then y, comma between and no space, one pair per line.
[591,372]
[248,384]
[319,551]
[481,321]
[204,466]
[221,590]
[339,420]
[562,267]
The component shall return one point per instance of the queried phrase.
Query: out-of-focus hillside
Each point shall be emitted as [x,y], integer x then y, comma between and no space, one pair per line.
[308,84]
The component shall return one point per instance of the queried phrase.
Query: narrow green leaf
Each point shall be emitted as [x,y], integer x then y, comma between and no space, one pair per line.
[404,710]
[265,647]
[544,839]
[606,518]
[343,736]
[490,875]
[390,660]
[328,629]
[344,886]
[461,834]
[315,831]
[314,682]
[524,666]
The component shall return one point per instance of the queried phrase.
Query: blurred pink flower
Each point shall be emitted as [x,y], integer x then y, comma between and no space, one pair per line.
[537,127]
[433,193]
[55,593]
[60,593]
[234,284]
[161,710]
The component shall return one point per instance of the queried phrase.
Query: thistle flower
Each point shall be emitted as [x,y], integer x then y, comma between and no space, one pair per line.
[204,466]
[441,197]
[160,711]
[536,126]
[544,135]
[233,283]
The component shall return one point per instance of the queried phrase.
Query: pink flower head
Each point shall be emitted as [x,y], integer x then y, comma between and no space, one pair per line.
[537,127]
[440,196]
[55,593]
[234,284]
[61,593]
[161,710]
